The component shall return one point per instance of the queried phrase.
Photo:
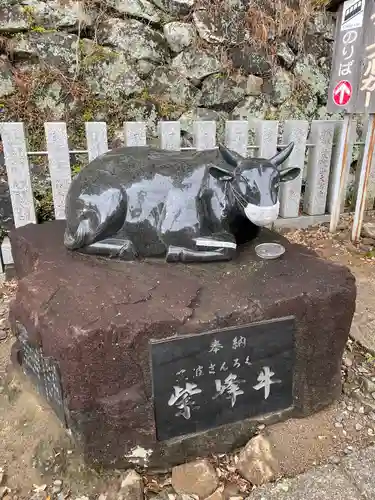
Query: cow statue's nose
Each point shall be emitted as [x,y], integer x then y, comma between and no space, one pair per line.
[262,216]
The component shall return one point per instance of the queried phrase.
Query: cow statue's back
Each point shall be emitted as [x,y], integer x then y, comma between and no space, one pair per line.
[185,206]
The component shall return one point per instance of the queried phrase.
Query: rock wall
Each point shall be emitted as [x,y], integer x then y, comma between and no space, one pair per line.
[147,60]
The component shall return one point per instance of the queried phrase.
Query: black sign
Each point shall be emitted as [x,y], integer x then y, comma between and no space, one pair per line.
[352,85]
[346,61]
[206,380]
[42,371]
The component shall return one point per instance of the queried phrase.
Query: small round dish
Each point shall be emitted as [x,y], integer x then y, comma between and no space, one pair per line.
[269,251]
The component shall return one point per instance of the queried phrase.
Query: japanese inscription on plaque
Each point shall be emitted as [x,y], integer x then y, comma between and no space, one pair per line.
[42,371]
[206,380]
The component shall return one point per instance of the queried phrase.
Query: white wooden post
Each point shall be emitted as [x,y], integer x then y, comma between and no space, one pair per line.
[237,136]
[170,135]
[266,137]
[59,164]
[318,167]
[18,173]
[204,135]
[290,192]
[19,182]
[96,137]
[370,196]
[340,171]
[366,166]
[135,134]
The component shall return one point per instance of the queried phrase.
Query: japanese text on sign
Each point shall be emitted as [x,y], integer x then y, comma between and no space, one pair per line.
[210,379]
[228,386]
[344,85]
[368,79]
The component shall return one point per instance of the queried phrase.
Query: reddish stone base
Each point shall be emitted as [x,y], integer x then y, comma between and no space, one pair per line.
[94,318]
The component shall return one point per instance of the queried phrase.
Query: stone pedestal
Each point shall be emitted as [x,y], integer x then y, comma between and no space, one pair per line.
[90,320]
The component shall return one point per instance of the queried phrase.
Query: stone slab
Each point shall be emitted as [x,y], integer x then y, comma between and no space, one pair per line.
[323,483]
[95,318]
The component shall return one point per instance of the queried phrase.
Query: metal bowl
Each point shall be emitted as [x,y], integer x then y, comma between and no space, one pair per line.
[269,251]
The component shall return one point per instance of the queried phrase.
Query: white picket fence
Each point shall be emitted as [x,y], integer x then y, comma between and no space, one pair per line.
[317,139]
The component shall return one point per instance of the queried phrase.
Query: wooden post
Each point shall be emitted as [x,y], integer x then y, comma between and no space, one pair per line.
[364,178]
[339,174]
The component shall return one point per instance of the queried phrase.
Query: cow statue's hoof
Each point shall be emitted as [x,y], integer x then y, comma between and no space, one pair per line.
[174,254]
[127,251]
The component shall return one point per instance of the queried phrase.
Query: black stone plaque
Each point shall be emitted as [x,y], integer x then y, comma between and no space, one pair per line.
[206,380]
[42,371]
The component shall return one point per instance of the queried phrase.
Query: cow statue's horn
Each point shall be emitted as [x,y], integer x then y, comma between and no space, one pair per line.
[230,156]
[280,157]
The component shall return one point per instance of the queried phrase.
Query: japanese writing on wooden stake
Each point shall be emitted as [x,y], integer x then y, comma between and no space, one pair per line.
[206,380]
[366,101]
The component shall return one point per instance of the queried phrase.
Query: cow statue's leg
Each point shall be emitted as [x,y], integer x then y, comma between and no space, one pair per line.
[113,248]
[204,249]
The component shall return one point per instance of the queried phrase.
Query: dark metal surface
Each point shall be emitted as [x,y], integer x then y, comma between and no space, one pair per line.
[203,381]
[187,206]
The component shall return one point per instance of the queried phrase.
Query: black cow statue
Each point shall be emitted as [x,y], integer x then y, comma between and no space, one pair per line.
[186,206]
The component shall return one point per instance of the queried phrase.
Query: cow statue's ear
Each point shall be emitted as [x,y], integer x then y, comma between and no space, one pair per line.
[231,157]
[289,174]
[221,173]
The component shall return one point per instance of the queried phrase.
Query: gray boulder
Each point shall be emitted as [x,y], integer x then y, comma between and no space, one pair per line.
[281,86]
[13,19]
[8,3]
[41,16]
[209,27]
[303,105]
[323,24]
[55,14]
[225,25]
[251,107]
[307,72]
[254,85]
[108,73]
[221,92]
[285,54]
[135,39]
[168,85]
[143,9]
[175,7]
[196,64]
[51,100]
[249,60]
[144,68]
[54,49]
[7,86]
[179,35]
